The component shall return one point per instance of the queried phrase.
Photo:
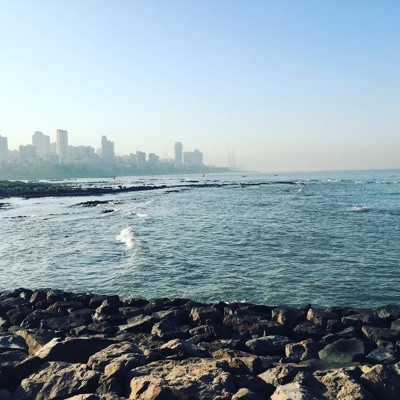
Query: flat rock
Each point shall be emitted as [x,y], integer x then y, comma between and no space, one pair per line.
[345,350]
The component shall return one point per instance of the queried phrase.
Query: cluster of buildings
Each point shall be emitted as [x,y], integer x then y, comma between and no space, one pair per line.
[42,150]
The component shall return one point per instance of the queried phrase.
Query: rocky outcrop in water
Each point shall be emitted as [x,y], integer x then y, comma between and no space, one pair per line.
[59,345]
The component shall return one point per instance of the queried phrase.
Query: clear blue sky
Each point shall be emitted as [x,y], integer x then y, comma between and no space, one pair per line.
[287,85]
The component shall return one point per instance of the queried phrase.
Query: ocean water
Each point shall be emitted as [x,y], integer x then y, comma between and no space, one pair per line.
[328,238]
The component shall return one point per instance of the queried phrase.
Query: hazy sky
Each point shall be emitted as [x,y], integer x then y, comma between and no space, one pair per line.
[287,85]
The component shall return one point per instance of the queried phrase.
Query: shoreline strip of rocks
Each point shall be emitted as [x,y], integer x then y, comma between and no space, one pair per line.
[79,346]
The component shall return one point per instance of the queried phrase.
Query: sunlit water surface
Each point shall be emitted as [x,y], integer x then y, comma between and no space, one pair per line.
[321,238]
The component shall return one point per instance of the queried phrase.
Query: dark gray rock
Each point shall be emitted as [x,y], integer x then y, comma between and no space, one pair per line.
[384,355]
[307,330]
[345,350]
[375,333]
[168,329]
[269,345]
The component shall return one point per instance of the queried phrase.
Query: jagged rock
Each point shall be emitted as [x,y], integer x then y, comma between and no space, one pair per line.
[288,316]
[139,324]
[11,358]
[37,295]
[361,319]
[33,320]
[179,349]
[57,380]
[178,315]
[65,323]
[239,362]
[389,313]
[255,384]
[250,324]
[345,350]
[281,374]
[348,333]
[246,394]
[321,317]
[219,331]
[269,345]
[307,330]
[17,315]
[382,381]
[395,325]
[12,342]
[73,350]
[168,329]
[128,353]
[110,388]
[375,333]
[109,305]
[192,378]
[200,315]
[383,355]
[303,350]
[66,306]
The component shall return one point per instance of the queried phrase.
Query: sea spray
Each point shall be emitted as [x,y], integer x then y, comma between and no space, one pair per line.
[127,237]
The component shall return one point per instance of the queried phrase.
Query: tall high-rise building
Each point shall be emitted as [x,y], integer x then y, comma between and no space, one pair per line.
[3,149]
[62,146]
[27,154]
[42,143]
[107,150]
[178,154]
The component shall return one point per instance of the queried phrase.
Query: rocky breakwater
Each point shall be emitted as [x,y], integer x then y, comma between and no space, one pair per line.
[59,345]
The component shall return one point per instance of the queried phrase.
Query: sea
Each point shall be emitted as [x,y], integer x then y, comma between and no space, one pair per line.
[320,238]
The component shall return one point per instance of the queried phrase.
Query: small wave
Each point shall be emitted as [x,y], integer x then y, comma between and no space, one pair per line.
[358,209]
[127,237]
[142,215]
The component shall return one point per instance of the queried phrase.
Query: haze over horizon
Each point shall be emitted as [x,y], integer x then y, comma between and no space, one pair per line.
[291,85]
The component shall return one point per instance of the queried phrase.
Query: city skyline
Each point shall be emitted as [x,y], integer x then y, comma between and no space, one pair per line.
[288,86]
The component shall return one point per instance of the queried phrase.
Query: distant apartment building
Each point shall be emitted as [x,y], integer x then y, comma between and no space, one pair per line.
[193,158]
[3,149]
[80,154]
[154,161]
[42,144]
[178,154]
[107,150]
[141,160]
[27,154]
[62,146]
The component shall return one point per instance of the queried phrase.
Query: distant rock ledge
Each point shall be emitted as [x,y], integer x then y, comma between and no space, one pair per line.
[78,346]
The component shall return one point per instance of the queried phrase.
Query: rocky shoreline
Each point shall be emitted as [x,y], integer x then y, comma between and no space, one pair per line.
[60,345]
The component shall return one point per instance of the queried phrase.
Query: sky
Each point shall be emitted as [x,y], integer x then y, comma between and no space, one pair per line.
[284,85]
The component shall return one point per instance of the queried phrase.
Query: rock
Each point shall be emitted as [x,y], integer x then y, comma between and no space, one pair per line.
[187,379]
[348,333]
[345,350]
[12,342]
[269,345]
[33,320]
[11,358]
[307,330]
[389,313]
[321,317]
[395,325]
[125,352]
[200,315]
[383,355]
[246,394]
[179,349]
[303,350]
[287,316]
[361,319]
[139,324]
[250,324]
[73,350]
[375,333]
[64,324]
[281,374]
[382,381]
[57,380]
[168,329]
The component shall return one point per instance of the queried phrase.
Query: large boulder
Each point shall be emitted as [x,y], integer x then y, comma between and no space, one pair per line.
[187,379]
[269,345]
[57,380]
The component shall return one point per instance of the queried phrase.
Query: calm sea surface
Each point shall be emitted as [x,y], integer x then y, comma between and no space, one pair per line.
[328,238]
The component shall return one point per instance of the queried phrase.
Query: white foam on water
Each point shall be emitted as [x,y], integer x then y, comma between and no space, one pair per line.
[127,237]
[358,209]
[142,215]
